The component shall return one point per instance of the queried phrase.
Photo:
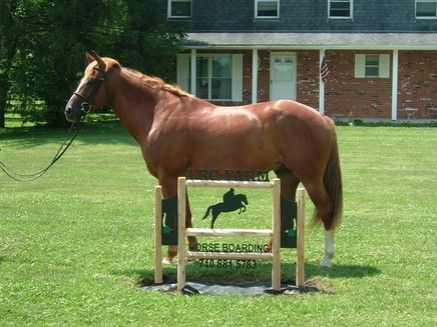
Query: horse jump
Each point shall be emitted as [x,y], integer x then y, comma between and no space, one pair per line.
[183,231]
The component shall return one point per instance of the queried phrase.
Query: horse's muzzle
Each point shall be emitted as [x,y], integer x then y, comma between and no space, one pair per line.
[73,114]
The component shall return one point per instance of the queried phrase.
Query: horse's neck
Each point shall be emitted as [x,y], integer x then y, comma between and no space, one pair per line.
[133,106]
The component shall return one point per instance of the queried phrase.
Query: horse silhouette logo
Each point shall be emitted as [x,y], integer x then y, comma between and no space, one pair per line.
[231,202]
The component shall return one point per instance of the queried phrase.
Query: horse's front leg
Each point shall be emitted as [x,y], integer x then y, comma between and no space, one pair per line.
[169,189]
[192,240]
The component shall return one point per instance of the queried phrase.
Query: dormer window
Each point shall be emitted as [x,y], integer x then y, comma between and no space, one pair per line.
[340,8]
[426,8]
[179,8]
[266,8]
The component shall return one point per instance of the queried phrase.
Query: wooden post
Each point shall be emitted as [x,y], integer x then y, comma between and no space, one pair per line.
[158,235]
[182,203]
[300,221]
[276,238]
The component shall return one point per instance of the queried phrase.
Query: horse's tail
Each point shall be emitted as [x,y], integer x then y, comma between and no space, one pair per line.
[207,212]
[333,184]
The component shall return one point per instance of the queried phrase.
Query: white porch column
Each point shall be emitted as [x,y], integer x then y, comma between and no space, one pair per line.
[193,72]
[394,85]
[254,75]
[321,84]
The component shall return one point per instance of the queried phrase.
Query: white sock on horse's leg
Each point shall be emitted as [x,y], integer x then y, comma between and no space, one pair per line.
[329,249]
[167,261]
[171,254]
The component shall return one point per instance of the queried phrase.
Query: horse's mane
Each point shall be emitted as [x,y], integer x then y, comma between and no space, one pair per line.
[150,81]
[158,83]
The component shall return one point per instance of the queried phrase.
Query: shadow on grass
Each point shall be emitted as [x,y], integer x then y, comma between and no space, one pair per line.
[341,271]
[89,133]
[262,272]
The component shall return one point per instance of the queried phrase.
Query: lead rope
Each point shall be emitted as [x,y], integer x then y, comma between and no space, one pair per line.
[64,146]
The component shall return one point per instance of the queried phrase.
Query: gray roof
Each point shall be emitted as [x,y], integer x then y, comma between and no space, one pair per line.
[285,40]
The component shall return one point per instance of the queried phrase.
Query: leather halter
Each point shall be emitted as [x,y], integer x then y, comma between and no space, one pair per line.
[92,91]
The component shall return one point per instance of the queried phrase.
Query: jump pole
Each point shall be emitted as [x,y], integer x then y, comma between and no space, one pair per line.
[300,240]
[182,256]
[158,235]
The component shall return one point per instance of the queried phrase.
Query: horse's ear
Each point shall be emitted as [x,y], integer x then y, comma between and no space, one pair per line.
[97,58]
[89,59]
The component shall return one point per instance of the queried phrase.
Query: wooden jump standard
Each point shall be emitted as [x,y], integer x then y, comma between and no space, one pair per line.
[274,233]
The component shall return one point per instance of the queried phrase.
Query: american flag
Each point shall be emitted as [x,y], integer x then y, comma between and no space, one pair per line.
[324,70]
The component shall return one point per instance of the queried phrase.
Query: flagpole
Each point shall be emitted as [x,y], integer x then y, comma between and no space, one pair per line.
[321,83]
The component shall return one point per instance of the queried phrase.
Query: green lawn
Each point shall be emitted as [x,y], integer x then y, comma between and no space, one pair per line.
[75,243]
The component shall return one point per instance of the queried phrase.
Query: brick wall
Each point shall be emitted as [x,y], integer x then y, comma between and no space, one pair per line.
[308,78]
[417,82]
[345,95]
[353,97]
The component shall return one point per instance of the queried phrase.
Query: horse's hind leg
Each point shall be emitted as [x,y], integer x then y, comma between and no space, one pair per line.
[324,212]
[289,183]
[319,196]
[192,240]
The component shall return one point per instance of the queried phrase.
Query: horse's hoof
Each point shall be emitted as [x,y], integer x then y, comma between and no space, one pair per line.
[167,261]
[325,263]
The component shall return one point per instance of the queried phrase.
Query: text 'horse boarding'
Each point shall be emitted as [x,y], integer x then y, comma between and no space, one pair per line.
[178,131]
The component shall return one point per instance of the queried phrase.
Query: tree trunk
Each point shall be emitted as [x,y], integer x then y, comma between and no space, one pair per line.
[4,88]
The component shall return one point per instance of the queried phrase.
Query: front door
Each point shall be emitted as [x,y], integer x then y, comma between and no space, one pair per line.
[283,76]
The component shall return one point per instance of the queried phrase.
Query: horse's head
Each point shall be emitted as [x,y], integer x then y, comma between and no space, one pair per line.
[90,92]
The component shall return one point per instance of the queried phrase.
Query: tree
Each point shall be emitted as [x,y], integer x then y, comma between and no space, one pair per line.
[46,41]
[149,41]
[8,47]
[47,66]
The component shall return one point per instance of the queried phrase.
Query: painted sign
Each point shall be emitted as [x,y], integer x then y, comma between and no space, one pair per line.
[229,175]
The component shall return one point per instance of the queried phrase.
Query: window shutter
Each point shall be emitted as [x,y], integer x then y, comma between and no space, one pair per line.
[183,71]
[384,66]
[360,66]
[237,77]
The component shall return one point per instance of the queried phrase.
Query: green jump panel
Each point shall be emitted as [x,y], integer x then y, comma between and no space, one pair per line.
[288,223]
[169,218]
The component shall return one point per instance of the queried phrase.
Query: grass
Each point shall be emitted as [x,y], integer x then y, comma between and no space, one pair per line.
[75,243]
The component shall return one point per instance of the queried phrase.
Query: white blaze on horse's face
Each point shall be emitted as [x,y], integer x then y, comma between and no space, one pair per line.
[73,109]
[80,102]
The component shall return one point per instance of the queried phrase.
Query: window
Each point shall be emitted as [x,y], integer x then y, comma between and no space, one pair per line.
[340,8]
[218,76]
[266,9]
[426,8]
[372,65]
[214,77]
[179,8]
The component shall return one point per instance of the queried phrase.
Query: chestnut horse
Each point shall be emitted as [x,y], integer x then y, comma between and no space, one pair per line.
[178,131]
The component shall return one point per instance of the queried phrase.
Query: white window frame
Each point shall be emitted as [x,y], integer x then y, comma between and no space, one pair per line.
[184,74]
[425,17]
[383,66]
[169,5]
[210,58]
[351,9]
[267,17]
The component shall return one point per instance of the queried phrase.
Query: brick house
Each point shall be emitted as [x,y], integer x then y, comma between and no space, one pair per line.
[382,55]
